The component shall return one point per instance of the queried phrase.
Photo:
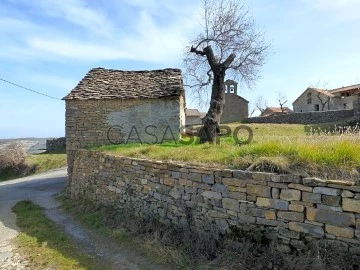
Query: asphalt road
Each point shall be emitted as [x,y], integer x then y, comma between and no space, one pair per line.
[40,189]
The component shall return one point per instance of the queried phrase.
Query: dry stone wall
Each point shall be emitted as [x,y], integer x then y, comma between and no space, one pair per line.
[292,209]
[303,117]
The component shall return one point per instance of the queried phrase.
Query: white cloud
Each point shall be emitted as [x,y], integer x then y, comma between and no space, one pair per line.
[147,39]
[341,9]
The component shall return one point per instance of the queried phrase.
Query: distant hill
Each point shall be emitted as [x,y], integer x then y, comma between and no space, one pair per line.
[30,145]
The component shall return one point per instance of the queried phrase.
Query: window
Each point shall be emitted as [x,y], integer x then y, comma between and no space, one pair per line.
[317,107]
[232,89]
[345,106]
[309,98]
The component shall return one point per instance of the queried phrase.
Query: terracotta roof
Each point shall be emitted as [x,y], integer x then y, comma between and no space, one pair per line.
[101,83]
[346,88]
[272,110]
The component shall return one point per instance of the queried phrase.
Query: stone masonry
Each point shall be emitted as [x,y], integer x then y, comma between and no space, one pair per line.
[303,117]
[288,208]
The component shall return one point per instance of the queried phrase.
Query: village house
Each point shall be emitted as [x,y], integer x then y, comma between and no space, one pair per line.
[315,99]
[275,111]
[112,106]
[193,117]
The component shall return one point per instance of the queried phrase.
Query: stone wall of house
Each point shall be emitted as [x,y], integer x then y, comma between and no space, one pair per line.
[292,209]
[115,121]
[303,118]
[235,110]
[56,144]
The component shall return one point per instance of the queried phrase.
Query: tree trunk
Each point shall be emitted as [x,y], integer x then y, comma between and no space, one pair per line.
[211,122]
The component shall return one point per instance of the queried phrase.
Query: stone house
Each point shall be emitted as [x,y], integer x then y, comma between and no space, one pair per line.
[236,107]
[193,117]
[275,111]
[113,106]
[315,99]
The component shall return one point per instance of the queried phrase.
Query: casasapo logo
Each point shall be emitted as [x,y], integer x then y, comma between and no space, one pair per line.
[152,134]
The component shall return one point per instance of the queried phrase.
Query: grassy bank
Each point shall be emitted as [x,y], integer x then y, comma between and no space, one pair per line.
[275,148]
[243,248]
[34,164]
[45,244]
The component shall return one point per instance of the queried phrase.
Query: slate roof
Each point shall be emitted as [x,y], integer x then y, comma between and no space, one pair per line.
[192,112]
[101,83]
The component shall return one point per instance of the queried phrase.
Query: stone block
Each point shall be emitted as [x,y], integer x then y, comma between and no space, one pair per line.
[305,204]
[202,186]
[296,208]
[272,203]
[290,195]
[175,175]
[237,196]
[275,223]
[329,208]
[262,176]
[255,212]
[241,174]
[234,182]
[231,204]
[341,232]
[185,182]
[329,217]
[195,177]
[351,188]
[327,191]
[270,214]
[208,179]
[313,230]
[357,224]
[237,189]
[311,197]
[331,200]
[257,190]
[357,234]
[289,234]
[286,178]
[300,187]
[212,195]
[347,194]
[351,205]
[293,216]
[275,193]
[245,219]
[313,182]
[220,188]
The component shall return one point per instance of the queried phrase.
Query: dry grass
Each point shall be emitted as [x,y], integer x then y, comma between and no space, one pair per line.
[275,147]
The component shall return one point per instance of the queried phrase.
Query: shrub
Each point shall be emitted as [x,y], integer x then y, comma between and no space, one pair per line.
[13,159]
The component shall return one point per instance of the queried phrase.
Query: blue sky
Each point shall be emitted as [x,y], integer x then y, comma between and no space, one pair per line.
[49,45]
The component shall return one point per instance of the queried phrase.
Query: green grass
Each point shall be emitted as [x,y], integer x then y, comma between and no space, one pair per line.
[46,162]
[45,244]
[275,147]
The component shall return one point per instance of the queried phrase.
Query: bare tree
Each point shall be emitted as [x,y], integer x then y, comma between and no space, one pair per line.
[322,93]
[261,104]
[228,43]
[282,99]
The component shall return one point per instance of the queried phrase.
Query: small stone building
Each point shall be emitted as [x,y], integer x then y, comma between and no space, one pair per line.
[113,106]
[236,107]
[193,117]
[315,99]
